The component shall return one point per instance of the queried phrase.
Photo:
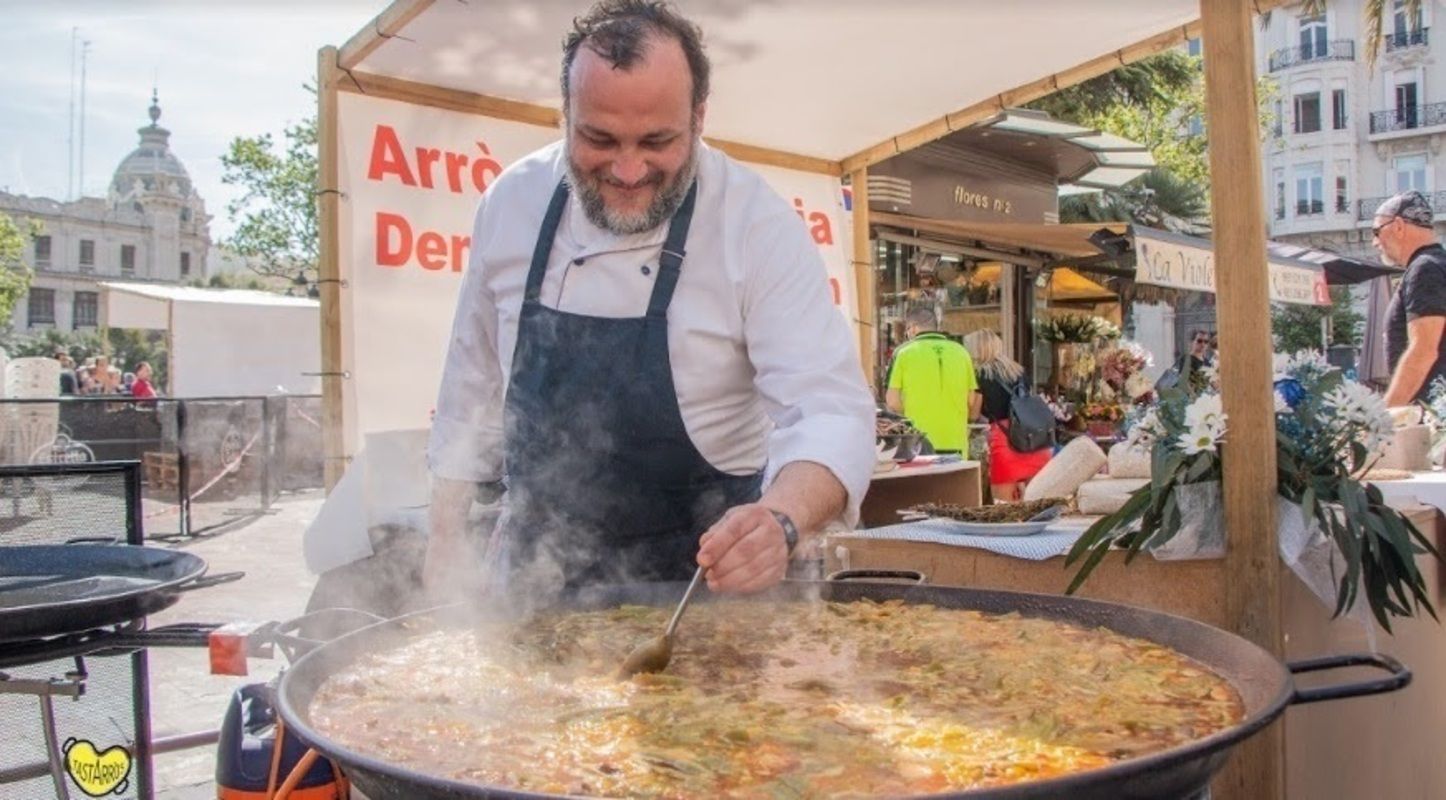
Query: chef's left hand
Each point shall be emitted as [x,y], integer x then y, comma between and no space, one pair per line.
[745,551]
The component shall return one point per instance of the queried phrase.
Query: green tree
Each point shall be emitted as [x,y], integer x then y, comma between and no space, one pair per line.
[1296,328]
[1159,199]
[275,217]
[1160,103]
[1151,102]
[15,274]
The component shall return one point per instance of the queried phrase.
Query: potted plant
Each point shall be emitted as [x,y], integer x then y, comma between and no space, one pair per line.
[1328,431]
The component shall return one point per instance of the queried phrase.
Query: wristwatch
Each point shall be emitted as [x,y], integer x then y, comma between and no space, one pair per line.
[790,531]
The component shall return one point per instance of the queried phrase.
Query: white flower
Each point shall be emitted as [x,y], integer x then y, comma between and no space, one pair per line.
[1106,393]
[1280,365]
[1147,429]
[1199,439]
[1281,407]
[1361,412]
[1205,410]
[1138,385]
[1354,402]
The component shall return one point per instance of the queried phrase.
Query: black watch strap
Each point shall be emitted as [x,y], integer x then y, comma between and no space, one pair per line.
[790,531]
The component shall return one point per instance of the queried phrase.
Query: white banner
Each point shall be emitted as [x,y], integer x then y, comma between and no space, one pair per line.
[410,178]
[1180,263]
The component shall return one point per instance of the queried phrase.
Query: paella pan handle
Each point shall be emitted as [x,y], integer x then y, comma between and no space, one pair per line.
[207,581]
[875,575]
[1399,677]
[299,636]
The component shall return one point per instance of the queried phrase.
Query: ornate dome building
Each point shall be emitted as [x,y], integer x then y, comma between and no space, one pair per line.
[151,227]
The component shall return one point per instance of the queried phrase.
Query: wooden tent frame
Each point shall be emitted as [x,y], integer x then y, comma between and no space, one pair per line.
[1249,484]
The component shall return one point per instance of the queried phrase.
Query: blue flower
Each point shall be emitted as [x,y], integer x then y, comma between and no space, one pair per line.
[1291,390]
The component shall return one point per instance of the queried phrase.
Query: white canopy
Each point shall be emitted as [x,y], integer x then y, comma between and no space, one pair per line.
[831,80]
[224,342]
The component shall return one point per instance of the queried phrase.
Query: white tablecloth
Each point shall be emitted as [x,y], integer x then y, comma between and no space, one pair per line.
[1423,488]
[1055,540]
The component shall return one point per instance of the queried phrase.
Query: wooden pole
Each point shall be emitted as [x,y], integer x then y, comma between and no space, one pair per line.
[1252,567]
[329,269]
[865,282]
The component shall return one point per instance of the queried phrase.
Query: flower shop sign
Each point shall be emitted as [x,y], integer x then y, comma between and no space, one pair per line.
[1184,262]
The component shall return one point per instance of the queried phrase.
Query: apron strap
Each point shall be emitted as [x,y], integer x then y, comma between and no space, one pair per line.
[670,262]
[542,251]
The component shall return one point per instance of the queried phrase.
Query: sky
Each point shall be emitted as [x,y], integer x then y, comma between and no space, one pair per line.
[223,68]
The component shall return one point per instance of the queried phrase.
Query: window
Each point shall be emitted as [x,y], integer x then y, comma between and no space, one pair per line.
[1307,112]
[1406,109]
[1338,109]
[1309,190]
[42,251]
[1408,172]
[1312,37]
[1280,194]
[87,253]
[1341,200]
[87,306]
[1405,24]
[128,259]
[42,307]
[185,264]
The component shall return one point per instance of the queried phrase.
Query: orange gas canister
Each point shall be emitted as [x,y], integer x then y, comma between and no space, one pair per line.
[256,755]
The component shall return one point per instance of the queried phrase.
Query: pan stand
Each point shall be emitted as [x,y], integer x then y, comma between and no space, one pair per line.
[72,686]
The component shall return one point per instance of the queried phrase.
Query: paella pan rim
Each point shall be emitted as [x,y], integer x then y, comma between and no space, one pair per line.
[164,571]
[1269,683]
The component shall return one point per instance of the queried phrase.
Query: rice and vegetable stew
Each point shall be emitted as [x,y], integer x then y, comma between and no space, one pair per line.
[767,700]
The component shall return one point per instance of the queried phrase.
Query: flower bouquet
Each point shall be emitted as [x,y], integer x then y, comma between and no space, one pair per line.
[1122,371]
[1328,430]
[1101,418]
[1077,329]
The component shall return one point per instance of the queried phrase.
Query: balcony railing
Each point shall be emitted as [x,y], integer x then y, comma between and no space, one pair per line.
[1400,40]
[1307,208]
[1408,117]
[1367,205]
[1339,50]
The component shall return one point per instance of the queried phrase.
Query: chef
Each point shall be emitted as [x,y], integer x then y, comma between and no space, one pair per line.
[645,348]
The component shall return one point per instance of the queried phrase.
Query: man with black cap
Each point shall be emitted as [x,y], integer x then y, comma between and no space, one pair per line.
[1414,345]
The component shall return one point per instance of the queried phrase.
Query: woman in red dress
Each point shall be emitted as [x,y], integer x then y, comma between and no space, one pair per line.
[998,376]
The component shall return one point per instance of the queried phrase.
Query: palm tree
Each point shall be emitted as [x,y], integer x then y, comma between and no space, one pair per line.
[1159,199]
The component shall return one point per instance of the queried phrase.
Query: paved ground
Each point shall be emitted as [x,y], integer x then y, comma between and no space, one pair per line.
[185,697]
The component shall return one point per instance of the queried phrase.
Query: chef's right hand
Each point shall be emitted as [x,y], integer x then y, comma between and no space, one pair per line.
[452,569]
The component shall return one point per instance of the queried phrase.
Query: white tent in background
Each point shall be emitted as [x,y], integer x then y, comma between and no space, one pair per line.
[224,342]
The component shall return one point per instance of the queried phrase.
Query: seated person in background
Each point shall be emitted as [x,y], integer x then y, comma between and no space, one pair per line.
[931,380]
[999,376]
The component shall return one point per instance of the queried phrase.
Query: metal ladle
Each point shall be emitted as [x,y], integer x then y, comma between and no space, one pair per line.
[654,654]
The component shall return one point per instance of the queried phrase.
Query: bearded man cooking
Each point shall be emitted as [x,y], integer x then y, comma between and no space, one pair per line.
[645,346]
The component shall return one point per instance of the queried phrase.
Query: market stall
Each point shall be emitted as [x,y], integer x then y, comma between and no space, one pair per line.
[475,86]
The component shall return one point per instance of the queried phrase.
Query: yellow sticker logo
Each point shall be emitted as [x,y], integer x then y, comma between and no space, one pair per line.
[97,772]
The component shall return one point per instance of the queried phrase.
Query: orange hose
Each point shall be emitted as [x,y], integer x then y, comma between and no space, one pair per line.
[297,773]
[276,748]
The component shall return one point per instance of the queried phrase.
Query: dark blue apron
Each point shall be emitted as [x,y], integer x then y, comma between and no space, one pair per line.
[603,479]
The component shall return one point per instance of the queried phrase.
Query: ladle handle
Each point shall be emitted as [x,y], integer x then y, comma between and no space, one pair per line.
[682,604]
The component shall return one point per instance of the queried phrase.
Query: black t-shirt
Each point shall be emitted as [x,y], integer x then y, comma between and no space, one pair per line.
[1422,294]
[995,406]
